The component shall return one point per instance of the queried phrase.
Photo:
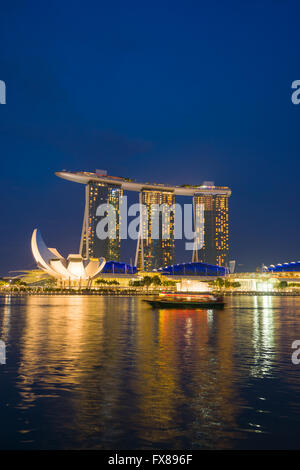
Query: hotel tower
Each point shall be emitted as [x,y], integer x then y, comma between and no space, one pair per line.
[91,246]
[157,251]
[216,230]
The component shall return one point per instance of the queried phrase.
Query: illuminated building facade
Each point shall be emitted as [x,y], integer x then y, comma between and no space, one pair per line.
[91,246]
[157,251]
[216,230]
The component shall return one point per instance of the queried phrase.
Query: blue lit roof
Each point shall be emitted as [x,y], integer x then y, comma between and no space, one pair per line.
[293,266]
[115,267]
[194,269]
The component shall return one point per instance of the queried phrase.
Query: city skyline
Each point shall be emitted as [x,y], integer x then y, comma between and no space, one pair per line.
[150,261]
[199,96]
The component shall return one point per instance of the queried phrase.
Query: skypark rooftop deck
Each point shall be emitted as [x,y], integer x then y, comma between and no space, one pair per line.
[128,184]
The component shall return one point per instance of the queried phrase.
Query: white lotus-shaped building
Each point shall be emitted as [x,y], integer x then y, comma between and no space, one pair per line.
[74,268]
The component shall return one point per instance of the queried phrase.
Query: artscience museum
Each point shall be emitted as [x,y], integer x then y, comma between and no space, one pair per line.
[74,269]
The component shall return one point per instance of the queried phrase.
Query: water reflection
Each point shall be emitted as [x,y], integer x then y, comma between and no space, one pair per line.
[263,336]
[111,373]
[5,317]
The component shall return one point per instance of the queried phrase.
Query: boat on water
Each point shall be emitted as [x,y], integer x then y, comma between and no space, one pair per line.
[186,300]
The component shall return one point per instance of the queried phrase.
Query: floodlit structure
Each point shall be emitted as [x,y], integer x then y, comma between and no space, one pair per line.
[255,282]
[74,268]
[159,252]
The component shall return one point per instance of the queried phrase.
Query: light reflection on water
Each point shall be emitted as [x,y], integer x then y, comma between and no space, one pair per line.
[111,373]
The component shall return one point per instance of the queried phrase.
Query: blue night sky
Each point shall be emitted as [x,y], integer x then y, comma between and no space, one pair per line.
[177,92]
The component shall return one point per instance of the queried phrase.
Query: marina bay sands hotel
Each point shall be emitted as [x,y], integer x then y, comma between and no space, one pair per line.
[152,253]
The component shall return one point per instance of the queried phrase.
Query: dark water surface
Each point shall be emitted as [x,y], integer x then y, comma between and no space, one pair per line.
[90,372]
